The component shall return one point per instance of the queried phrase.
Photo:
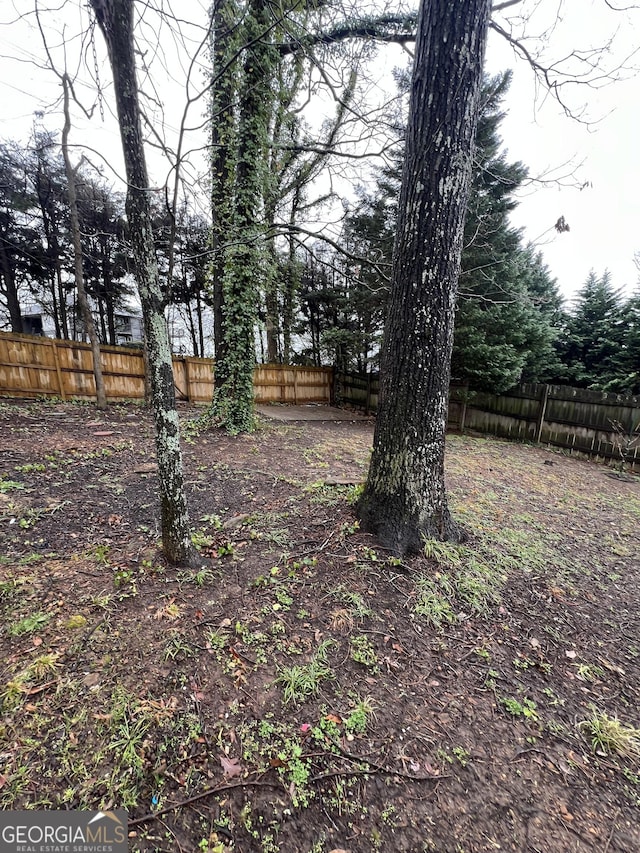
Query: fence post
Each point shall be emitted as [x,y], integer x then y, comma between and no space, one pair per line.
[542,412]
[367,404]
[56,361]
[295,385]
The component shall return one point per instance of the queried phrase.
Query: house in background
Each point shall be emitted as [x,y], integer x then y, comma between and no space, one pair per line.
[37,321]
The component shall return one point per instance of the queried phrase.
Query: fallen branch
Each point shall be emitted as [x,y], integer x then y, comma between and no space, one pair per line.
[201,796]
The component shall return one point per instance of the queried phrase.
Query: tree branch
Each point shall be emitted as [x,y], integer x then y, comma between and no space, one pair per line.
[389,29]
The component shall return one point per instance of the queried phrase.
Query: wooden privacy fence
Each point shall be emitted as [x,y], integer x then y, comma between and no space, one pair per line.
[570,418]
[36,367]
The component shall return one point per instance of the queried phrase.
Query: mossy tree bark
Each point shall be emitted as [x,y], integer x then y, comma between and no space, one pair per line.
[404,501]
[115,18]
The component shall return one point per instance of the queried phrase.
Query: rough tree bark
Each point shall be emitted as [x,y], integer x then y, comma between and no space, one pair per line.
[404,500]
[83,302]
[115,19]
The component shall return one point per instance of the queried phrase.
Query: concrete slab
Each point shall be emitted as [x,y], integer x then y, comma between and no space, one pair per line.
[308,412]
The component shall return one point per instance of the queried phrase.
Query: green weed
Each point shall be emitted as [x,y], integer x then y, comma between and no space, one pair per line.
[303,681]
[525,708]
[29,624]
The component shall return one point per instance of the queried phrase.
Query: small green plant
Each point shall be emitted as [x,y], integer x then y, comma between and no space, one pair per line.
[354,602]
[44,665]
[123,577]
[100,554]
[589,672]
[360,715]
[30,467]
[362,651]
[177,647]
[199,577]
[461,754]
[9,485]
[13,692]
[29,624]
[525,708]
[227,549]
[201,539]
[608,735]
[303,681]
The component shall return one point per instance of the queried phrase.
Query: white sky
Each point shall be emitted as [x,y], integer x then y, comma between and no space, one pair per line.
[604,217]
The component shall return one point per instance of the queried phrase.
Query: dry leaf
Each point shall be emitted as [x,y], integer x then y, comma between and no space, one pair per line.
[231,766]
[571,654]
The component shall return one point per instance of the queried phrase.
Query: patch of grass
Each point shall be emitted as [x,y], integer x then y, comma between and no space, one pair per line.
[431,603]
[589,672]
[466,580]
[30,467]
[177,647]
[302,681]
[609,736]
[9,485]
[200,577]
[361,714]
[354,602]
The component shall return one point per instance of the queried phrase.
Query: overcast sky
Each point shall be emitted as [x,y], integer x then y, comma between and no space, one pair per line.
[599,155]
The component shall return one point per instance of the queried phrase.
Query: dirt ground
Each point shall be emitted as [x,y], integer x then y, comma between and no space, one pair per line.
[303,691]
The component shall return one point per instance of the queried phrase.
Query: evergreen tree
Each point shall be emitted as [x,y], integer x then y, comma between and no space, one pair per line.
[594,334]
[627,361]
[508,309]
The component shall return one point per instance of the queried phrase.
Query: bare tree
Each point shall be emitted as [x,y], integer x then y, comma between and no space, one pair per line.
[83,302]
[115,19]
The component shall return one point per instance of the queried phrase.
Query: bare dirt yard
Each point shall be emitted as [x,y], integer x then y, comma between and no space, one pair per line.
[304,691]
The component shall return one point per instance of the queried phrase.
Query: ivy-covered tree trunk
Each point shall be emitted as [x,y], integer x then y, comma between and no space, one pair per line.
[115,18]
[404,501]
[233,399]
[223,160]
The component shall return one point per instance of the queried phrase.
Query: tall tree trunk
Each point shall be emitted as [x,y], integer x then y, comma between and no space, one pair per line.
[233,400]
[62,298]
[223,163]
[85,311]
[115,18]
[404,499]
[55,307]
[200,329]
[107,287]
[10,288]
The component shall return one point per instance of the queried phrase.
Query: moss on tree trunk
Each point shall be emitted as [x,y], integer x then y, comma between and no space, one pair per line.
[404,500]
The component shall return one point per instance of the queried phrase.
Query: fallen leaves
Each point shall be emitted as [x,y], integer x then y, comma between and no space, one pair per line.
[230,766]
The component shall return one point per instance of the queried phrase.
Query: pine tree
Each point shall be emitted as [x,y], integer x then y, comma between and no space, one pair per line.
[508,308]
[594,333]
